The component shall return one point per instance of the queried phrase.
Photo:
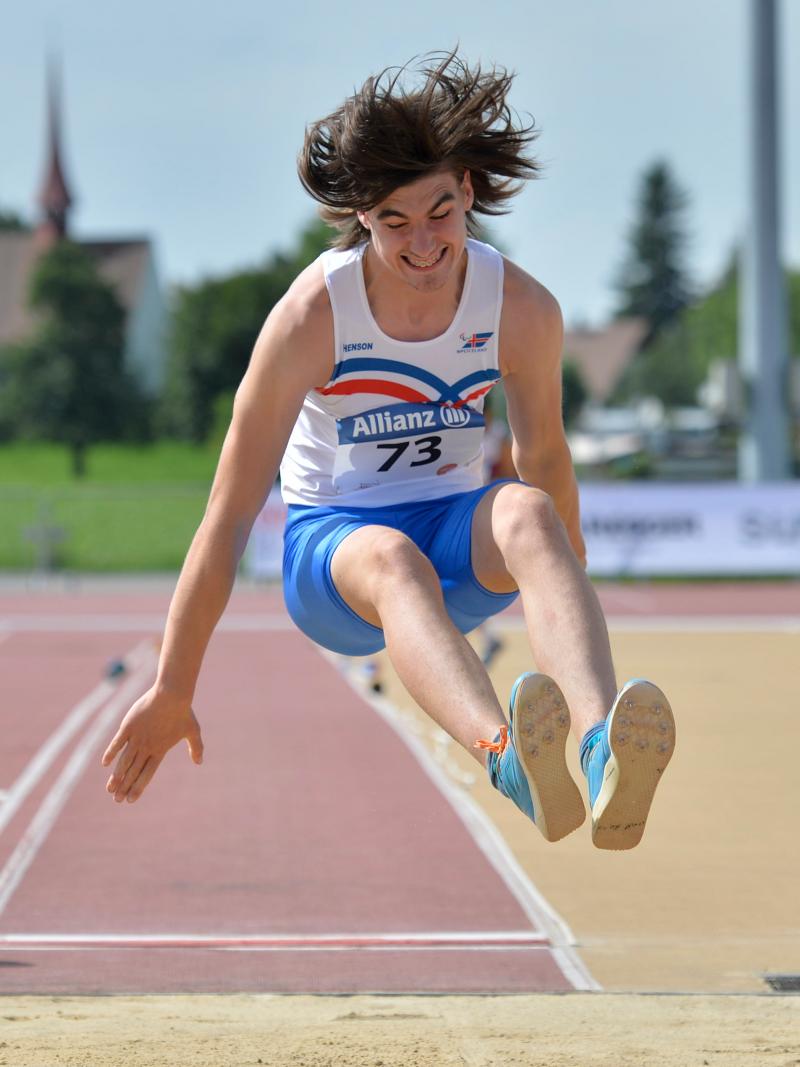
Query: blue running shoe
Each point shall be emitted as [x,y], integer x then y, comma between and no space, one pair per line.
[594,754]
[529,766]
[626,763]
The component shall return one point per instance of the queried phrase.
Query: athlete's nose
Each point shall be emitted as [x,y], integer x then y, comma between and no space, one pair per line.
[422,243]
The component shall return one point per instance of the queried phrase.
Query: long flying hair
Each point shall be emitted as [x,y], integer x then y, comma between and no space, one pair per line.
[387,135]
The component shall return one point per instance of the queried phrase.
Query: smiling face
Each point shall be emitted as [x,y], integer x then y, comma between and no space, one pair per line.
[418,233]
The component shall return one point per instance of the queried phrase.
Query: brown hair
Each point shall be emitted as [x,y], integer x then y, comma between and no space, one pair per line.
[385,136]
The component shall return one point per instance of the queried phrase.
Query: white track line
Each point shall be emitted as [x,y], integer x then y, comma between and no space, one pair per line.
[299,949]
[130,622]
[467,941]
[490,842]
[49,810]
[276,622]
[36,769]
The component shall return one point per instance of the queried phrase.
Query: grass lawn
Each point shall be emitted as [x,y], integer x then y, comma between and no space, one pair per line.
[136,510]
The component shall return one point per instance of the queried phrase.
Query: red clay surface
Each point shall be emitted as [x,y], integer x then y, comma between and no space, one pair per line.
[308,818]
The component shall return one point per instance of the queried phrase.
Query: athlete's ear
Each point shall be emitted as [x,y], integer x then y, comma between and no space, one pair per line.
[467,190]
[363,219]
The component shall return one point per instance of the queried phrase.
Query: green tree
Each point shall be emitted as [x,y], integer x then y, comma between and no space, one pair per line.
[67,383]
[653,283]
[574,392]
[678,362]
[11,222]
[667,369]
[214,326]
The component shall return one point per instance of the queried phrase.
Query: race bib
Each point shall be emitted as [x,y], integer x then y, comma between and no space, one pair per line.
[396,442]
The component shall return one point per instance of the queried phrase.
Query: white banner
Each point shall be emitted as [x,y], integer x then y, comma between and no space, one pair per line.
[643,528]
[715,528]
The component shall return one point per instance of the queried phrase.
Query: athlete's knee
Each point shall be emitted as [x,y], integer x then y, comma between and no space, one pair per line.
[392,557]
[523,516]
[372,568]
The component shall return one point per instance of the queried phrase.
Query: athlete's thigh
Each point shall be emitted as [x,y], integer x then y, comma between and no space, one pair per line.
[366,557]
[312,599]
[487,559]
[469,598]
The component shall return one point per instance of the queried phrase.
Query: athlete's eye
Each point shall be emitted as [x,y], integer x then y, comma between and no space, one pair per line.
[435,218]
[395,225]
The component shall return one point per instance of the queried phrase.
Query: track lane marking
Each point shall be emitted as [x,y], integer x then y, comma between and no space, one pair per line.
[280,623]
[37,767]
[468,940]
[131,622]
[292,948]
[49,810]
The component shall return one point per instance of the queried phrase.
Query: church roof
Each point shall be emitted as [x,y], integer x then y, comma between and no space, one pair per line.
[54,195]
[121,263]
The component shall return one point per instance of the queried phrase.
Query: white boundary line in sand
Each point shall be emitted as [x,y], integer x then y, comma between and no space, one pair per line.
[13,797]
[677,624]
[488,839]
[49,810]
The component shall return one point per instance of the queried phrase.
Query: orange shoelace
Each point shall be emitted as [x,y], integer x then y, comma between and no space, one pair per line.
[498,746]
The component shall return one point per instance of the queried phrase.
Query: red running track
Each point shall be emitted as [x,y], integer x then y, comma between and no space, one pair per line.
[312,852]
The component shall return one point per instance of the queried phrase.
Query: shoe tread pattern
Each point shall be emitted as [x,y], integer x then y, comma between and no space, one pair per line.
[641,735]
[540,727]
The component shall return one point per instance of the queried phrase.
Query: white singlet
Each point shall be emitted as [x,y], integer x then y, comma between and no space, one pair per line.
[399,421]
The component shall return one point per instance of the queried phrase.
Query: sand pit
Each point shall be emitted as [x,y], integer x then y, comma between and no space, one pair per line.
[574,1030]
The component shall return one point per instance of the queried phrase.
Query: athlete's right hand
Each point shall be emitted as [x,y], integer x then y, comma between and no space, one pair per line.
[155,723]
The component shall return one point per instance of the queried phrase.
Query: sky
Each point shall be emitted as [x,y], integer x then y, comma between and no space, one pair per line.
[183,122]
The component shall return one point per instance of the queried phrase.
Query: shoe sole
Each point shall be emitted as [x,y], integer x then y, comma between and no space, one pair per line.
[540,728]
[641,735]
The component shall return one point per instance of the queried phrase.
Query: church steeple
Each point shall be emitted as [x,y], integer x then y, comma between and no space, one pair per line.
[54,198]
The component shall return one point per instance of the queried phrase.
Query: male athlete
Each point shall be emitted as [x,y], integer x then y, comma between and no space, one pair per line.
[368,380]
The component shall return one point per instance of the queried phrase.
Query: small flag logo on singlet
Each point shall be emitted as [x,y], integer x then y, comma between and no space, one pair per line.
[472,342]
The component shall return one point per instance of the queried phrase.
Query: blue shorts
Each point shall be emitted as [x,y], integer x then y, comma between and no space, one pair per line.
[441,529]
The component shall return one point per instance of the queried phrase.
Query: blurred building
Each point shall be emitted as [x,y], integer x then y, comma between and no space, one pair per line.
[602,355]
[126,263]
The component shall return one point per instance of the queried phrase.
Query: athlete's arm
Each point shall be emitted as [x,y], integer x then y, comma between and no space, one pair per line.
[531,338]
[293,353]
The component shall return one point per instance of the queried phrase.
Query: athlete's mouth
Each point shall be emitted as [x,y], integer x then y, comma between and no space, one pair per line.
[425,264]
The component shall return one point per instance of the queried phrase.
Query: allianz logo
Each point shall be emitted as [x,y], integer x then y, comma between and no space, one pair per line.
[391,421]
[454,416]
